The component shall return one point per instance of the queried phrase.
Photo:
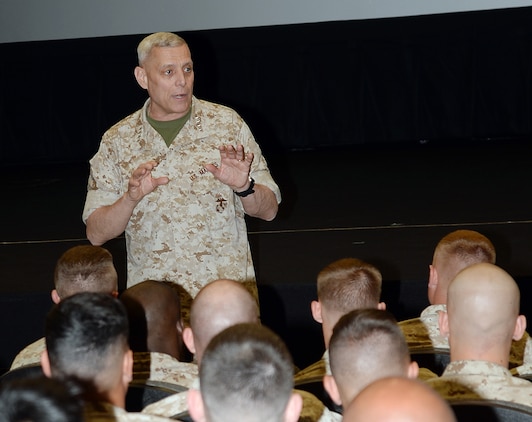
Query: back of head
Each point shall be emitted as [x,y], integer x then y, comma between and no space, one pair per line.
[398,399]
[246,375]
[482,308]
[349,284]
[86,339]
[40,399]
[85,268]
[157,39]
[458,250]
[218,305]
[367,344]
[154,313]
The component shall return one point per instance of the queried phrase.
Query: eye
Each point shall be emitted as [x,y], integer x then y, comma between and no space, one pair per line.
[168,72]
[187,69]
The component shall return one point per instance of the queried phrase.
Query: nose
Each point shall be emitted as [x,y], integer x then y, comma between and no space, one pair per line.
[180,79]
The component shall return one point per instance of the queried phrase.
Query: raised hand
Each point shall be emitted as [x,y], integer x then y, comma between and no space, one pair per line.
[234,168]
[141,181]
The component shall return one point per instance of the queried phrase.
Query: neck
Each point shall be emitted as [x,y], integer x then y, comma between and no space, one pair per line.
[497,354]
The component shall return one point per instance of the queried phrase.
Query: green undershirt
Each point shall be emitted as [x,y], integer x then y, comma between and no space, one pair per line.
[169,129]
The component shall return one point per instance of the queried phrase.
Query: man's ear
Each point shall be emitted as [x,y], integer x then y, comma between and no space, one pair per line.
[329,383]
[315,307]
[520,327]
[195,405]
[188,338]
[381,306]
[433,283]
[443,323]
[433,276]
[55,297]
[127,368]
[413,370]
[141,77]
[179,326]
[45,363]
[293,408]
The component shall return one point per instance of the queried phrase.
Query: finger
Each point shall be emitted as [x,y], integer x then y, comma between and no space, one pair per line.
[231,151]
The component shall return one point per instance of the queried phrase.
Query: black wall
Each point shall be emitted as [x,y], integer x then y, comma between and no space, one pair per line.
[459,76]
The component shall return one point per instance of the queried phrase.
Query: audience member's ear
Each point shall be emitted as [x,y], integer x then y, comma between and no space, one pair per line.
[381,306]
[413,370]
[443,323]
[195,405]
[433,283]
[315,307]
[329,383]
[293,408]
[55,297]
[45,364]
[179,326]
[188,338]
[520,327]
[127,368]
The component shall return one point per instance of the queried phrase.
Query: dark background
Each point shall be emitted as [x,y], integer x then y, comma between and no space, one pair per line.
[384,135]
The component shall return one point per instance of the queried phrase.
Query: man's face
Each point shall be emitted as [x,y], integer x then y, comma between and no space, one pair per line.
[168,75]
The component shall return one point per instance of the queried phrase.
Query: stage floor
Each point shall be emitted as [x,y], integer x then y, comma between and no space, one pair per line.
[387,204]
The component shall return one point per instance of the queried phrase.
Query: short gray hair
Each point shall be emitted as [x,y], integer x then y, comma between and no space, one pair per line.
[158,39]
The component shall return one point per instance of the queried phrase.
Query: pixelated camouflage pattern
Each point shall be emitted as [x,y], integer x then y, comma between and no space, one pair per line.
[106,412]
[30,355]
[470,379]
[163,367]
[315,371]
[424,332]
[192,230]
[313,409]
[171,405]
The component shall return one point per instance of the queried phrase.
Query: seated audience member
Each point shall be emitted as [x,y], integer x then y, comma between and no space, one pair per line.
[87,341]
[155,333]
[454,252]
[398,399]
[83,268]
[246,375]
[366,345]
[481,321]
[342,286]
[218,305]
[40,399]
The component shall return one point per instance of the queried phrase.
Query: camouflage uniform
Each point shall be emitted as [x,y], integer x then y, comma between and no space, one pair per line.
[163,367]
[313,409]
[30,355]
[192,230]
[172,405]
[470,379]
[424,332]
[315,371]
[106,412]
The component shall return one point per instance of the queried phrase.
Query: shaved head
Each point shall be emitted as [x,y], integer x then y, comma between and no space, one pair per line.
[398,399]
[217,306]
[483,307]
